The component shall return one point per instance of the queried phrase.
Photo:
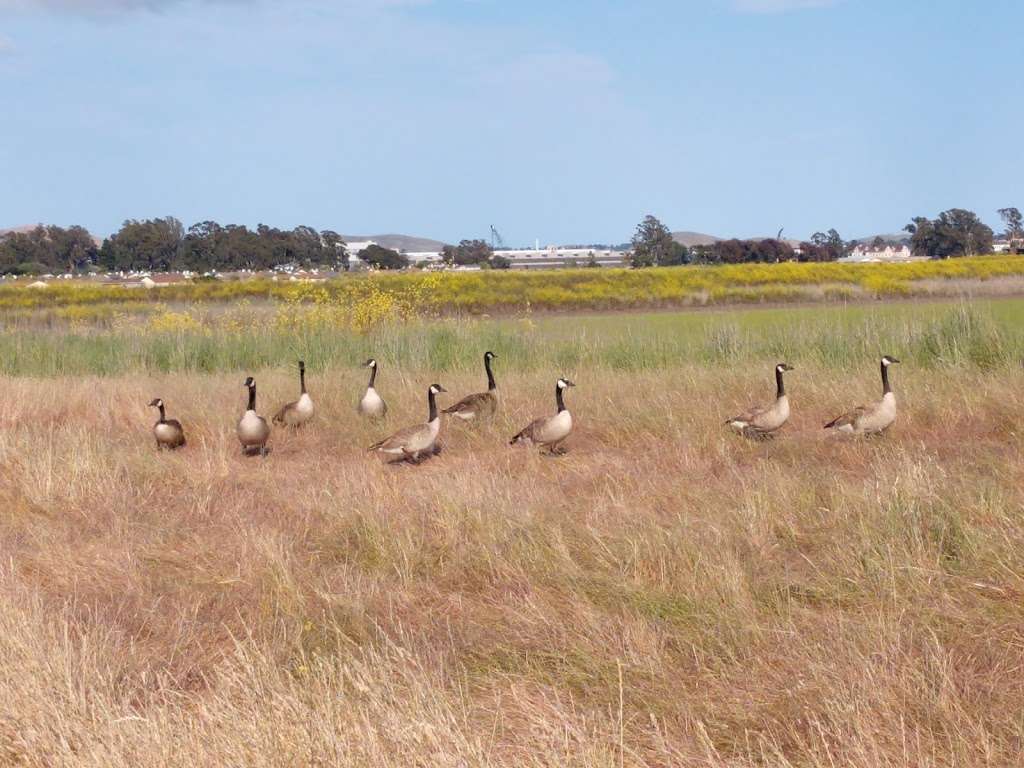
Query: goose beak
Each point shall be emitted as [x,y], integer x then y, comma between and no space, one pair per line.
[570,383]
[441,389]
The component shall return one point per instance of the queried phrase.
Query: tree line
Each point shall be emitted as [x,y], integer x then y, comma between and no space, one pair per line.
[953,233]
[164,245]
[653,245]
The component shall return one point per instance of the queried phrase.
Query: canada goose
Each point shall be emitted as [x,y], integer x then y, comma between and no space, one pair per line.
[168,432]
[759,422]
[482,403]
[413,444]
[372,404]
[874,418]
[549,431]
[297,413]
[252,429]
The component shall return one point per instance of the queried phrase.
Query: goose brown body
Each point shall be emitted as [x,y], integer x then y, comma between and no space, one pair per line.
[415,443]
[760,421]
[549,431]
[252,430]
[168,433]
[298,412]
[372,405]
[870,419]
[480,404]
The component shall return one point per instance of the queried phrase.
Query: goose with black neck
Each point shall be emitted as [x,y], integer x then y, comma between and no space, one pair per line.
[372,405]
[414,444]
[481,404]
[549,431]
[298,412]
[168,433]
[870,419]
[252,430]
[761,421]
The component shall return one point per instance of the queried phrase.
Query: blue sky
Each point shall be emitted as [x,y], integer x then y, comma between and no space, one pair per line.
[563,121]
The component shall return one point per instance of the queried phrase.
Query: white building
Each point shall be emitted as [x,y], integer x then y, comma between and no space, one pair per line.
[554,257]
[888,252]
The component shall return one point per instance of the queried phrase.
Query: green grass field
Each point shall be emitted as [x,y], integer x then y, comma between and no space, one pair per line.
[986,333]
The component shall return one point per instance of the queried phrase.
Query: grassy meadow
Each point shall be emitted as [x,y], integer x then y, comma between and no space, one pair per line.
[666,594]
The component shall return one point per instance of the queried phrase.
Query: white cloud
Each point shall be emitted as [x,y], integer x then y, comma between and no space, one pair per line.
[6,45]
[780,6]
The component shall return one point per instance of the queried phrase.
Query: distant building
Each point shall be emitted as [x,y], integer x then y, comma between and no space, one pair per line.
[553,257]
[1005,246]
[888,252]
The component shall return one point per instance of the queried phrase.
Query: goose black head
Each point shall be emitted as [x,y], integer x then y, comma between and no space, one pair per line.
[783,367]
[250,382]
[436,389]
[302,365]
[157,402]
[489,355]
[563,383]
[888,360]
[371,363]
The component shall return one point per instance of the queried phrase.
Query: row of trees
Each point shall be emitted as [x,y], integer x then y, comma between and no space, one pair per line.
[958,232]
[653,245]
[467,253]
[162,245]
[953,233]
[47,249]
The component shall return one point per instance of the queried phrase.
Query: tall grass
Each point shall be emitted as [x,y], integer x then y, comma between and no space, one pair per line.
[983,334]
[667,594]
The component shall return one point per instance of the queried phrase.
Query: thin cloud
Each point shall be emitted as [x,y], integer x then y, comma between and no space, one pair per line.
[780,6]
[95,7]
[6,45]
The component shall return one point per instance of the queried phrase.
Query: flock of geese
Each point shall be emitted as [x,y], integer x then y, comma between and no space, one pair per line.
[418,442]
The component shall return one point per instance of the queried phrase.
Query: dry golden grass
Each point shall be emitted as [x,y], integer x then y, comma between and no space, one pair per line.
[665,594]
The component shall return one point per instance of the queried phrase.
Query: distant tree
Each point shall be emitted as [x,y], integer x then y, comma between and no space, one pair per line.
[878,243]
[467,253]
[591,261]
[653,245]
[1014,224]
[501,262]
[810,252]
[772,251]
[703,254]
[831,241]
[955,233]
[729,252]
[73,247]
[47,249]
[152,245]
[382,258]
[337,253]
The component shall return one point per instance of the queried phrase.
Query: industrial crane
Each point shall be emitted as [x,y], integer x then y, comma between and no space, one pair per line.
[496,240]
